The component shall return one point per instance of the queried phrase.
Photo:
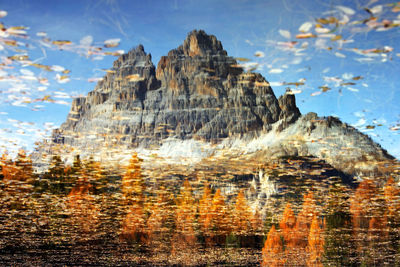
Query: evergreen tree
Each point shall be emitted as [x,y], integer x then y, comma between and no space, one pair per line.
[272,252]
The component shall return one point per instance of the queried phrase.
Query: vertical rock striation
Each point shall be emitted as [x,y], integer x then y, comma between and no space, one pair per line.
[197,91]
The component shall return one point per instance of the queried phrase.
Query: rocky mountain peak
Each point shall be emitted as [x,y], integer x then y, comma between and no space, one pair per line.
[196,93]
[198,43]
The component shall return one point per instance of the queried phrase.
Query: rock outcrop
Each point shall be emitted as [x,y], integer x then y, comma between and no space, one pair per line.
[197,91]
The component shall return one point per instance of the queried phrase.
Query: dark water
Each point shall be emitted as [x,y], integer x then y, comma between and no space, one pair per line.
[92,217]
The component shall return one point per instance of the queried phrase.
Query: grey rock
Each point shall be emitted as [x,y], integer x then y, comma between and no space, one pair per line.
[197,91]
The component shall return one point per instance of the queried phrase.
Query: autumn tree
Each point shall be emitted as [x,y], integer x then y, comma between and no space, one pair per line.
[304,219]
[315,247]
[132,181]
[133,187]
[19,170]
[55,179]
[241,215]
[7,167]
[205,204]
[185,233]
[23,163]
[216,223]
[299,240]
[84,211]
[161,220]
[272,252]
[339,248]
[287,224]
[362,208]
[392,201]
[94,173]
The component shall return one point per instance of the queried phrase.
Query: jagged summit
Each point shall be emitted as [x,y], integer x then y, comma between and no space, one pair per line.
[198,92]
[198,43]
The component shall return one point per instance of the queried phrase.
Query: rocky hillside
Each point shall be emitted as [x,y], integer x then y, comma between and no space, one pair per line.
[197,91]
[200,95]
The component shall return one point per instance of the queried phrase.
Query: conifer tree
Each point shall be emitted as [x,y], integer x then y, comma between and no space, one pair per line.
[272,252]
[315,247]
[184,237]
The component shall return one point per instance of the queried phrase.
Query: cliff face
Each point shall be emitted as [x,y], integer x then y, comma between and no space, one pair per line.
[200,93]
[197,91]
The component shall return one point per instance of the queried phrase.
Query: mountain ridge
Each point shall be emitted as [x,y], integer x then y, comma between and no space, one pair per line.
[197,92]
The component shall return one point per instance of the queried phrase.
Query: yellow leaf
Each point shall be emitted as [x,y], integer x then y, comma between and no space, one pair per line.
[62,42]
[243,59]
[305,35]
[337,37]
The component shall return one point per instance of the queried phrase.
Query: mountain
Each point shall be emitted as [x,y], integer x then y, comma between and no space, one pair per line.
[199,102]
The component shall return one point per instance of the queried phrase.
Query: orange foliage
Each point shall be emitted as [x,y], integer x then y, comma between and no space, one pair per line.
[133,226]
[205,204]
[241,215]
[20,170]
[185,236]
[218,217]
[160,213]
[315,244]
[287,224]
[392,198]
[81,205]
[272,253]
[256,222]
[361,205]
[304,220]
[132,181]
[378,229]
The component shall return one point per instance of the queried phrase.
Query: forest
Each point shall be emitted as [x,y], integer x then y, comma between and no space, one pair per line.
[99,216]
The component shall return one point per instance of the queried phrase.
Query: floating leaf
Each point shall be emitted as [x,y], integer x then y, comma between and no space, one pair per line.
[19,57]
[322,30]
[352,89]
[324,88]
[370,127]
[294,83]
[57,68]
[277,71]
[115,53]
[329,20]
[243,59]
[316,93]
[337,37]
[340,55]
[376,9]
[357,78]
[91,80]
[41,34]
[3,13]
[40,66]
[11,42]
[348,83]
[305,27]
[305,35]
[346,10]
[285,34]
[62,42]
[259,54]
[111,43]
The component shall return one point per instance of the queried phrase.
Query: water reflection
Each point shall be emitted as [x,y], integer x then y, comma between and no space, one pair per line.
[84,214]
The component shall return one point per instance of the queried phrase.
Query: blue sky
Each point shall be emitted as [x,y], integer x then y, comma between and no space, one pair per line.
[356,43]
